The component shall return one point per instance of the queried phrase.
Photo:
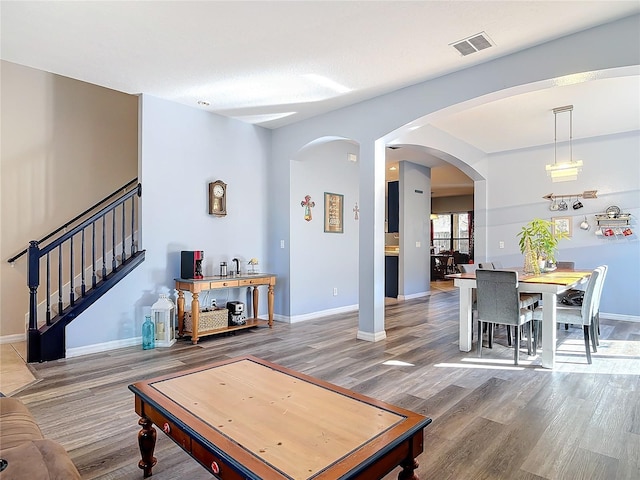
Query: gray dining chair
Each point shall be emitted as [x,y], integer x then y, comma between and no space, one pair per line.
[526,299]
[499,303]
[584,315]
[566,265]
[467,268]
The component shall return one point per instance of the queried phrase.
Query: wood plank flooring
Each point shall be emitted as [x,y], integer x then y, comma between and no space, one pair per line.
[491,420]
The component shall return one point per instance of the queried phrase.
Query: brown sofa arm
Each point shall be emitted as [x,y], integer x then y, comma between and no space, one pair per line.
[38,460]
[25,454]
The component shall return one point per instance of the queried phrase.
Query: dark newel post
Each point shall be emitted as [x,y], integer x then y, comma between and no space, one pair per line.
[33,277]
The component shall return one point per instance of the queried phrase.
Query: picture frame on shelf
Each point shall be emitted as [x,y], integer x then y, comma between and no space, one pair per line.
[562,224]
[333,212]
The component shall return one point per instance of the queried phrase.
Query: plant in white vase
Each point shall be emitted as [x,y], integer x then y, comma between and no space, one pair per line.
[539,243]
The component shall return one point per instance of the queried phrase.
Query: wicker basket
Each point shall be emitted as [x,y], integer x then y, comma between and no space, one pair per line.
[210,320]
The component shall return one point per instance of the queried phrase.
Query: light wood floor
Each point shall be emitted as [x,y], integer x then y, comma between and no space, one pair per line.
[491,420]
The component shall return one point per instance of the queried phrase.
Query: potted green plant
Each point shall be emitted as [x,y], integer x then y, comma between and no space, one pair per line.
[539,243]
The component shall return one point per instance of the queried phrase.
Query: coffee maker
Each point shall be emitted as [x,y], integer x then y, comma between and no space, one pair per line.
[237,314]
[191,264]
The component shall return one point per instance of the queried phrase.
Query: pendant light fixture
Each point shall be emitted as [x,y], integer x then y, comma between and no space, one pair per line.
[563,171]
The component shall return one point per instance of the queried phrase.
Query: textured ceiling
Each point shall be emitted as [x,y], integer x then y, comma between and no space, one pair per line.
[258,61]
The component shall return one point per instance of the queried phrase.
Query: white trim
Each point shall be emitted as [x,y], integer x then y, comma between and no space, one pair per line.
[619,316]
[371,337]
[15,338]
[103,347]
[414,295]
[314,315]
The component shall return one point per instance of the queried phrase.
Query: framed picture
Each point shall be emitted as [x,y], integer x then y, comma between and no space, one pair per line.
[333,213]
[561,224]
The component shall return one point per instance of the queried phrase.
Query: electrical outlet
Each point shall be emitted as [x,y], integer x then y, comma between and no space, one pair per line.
[335,291]
[213,303]
[281,243]
[417,244]
[501,244]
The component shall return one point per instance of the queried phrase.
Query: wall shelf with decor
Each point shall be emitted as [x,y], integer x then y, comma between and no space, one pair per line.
[613,216]
[623,219]
[613,222]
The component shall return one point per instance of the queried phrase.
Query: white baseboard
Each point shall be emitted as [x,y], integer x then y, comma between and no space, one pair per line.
[15,338]
[617,316]
[314,315]
[103,347]
[414,295]
[371,337]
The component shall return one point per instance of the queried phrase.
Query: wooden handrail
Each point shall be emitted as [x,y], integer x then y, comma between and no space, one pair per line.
[77,217]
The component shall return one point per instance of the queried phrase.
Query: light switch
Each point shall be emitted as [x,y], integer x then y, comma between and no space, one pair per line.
[501,244]
[417,244]
[281,243]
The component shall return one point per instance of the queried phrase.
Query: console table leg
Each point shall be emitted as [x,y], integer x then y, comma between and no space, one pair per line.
[180,312]
[195,317]
[255,302]
[270,304]
[407,472]
[147,443]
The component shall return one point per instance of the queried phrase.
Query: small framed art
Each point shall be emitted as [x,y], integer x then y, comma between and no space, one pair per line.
[333,213]
[561,224]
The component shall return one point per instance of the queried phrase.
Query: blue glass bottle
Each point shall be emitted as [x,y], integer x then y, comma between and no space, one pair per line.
[148,334]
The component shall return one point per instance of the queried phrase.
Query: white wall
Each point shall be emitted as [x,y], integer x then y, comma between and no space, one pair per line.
[182,150]
[374,122]
[323,261]
[517,181]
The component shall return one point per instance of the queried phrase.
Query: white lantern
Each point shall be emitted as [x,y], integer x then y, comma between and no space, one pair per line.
[163,316]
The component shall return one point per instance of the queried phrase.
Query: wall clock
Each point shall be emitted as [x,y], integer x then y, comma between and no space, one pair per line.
[218,198]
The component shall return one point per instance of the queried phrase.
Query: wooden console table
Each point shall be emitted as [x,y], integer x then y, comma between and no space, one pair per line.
[195,286]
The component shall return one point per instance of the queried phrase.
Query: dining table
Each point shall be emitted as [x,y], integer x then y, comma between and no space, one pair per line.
[548,283]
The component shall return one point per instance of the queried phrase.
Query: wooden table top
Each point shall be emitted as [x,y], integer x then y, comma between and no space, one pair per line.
[257,411]
[556,277]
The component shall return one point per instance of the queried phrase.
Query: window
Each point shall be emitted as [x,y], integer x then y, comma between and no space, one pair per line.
[451,233]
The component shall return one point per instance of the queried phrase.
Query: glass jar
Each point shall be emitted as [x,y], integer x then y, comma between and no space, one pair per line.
[148,334]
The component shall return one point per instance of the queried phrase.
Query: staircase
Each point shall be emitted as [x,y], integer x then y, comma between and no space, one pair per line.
[71,268]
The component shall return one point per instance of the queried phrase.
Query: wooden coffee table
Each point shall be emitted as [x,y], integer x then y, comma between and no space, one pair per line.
[246,418]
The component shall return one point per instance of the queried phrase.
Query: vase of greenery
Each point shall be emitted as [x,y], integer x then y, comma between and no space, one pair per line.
[539,243]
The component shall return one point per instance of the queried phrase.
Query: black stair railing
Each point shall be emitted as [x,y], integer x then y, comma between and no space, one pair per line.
[107,247]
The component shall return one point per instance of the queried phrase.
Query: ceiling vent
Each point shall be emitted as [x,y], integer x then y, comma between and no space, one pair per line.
[473,44]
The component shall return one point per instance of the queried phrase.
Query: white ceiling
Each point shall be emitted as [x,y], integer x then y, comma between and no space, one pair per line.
[256,60]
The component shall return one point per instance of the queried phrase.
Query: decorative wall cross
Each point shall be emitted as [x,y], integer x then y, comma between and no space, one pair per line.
[307,204]
[356,210]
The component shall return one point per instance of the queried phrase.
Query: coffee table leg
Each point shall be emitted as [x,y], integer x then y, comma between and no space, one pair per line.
[408,466]
[147,443]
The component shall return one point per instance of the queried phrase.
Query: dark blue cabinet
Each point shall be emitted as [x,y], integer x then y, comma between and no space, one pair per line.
[391,276]
[393,207]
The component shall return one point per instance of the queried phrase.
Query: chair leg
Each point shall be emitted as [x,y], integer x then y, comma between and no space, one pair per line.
[509,335]
[586,343]
[566,326]
[516,347]
[490,334]
[594,337]
[529,339]
[479,339]
[534,325]
[596,330]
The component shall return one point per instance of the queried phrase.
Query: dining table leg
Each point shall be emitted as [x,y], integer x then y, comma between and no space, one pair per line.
[549,329]
[466,317]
